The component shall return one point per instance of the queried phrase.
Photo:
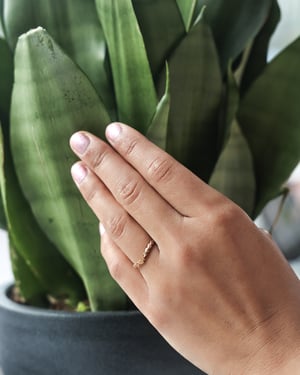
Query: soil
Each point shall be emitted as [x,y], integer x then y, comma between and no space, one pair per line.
[51,303]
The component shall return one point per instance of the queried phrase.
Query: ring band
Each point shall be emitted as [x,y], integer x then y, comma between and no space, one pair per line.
[146,252]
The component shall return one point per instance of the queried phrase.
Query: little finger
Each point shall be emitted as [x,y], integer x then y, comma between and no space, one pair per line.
[121,270]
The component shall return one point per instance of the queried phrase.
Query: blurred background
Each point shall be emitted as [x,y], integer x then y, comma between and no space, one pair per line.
[286,232]
[286,229]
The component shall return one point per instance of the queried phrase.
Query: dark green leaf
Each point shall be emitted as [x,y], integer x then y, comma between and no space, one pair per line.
[234,174]
[230,107]
[234,24]
[162,29]
[28,286]
[30,245]
[259,50]
[158,129]
[1,20]
[75,27]
[187,8]
[3,224]
[51,100]
[6,80]
[134,87]
[196,87]
[269,116]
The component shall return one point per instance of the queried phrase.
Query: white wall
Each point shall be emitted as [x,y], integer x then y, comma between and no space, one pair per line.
[289,27]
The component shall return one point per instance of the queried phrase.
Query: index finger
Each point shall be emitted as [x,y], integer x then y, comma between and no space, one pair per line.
[174,182]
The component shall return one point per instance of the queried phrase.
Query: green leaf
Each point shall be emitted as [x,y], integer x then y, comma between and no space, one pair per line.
[259,50]
[187,9]
[31,290]
[2,34]
[196,88]
[31,246]
[6,80]
[75,27]
[3,224]
[162,29]
[51,100]
[231,104]
[234,24]
[269,116]
[234,173]
[158,129]
[133,83]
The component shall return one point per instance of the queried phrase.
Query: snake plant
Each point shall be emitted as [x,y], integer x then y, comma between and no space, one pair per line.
[192,75]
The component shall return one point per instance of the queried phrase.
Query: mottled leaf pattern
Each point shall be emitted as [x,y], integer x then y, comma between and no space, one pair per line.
[75,27]
[269,116]
[196,88]
[40,132]
[234,24]
[136,98]
[158,129]
[234,174]
[159,44]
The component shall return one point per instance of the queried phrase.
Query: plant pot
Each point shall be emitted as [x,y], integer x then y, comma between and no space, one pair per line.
[34,341]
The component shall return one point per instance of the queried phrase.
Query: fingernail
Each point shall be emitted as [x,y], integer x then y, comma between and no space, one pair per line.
[113,131]
[79,142]
[78,172]
[101,229]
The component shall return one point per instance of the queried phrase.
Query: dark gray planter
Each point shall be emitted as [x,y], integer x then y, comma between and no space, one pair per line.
[41,342]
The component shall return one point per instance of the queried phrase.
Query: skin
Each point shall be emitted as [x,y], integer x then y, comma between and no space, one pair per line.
[214,285]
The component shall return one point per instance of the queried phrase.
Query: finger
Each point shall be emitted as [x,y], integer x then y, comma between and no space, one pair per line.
[121,270]
[179,186]
[133,193]
[121,227]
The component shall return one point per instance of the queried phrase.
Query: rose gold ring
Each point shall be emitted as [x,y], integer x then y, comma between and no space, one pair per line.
[146,252]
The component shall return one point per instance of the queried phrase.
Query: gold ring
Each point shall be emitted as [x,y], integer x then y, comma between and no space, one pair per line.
[146,252]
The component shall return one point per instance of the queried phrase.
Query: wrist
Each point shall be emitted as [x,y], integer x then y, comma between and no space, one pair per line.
[291,367]
[278,349]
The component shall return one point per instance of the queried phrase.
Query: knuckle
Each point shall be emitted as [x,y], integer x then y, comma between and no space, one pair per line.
[116,226]
[185,256]
[190,255]
[91,194]
[160,169]
[226,215]
[200,258]
[193,252]
[130,146]
[130,191]
[115,269]
[97,157]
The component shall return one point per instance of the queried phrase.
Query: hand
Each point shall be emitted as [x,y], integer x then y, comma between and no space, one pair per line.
[216,287]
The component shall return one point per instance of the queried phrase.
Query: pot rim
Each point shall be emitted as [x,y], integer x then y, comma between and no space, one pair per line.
[9,305]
